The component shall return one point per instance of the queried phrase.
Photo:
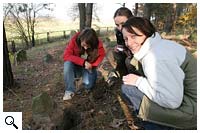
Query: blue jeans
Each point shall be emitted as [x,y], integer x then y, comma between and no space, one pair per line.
[134,96]
[72,71]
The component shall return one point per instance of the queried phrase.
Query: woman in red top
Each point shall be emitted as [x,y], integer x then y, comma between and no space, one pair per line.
[81,57]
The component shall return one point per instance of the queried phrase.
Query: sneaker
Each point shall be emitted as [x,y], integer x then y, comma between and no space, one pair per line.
[68,95]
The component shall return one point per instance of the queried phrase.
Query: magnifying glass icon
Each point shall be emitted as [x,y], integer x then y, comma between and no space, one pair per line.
[9,120]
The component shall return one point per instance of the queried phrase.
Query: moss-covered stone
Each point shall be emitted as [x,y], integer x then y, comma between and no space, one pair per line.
[42,104]
[21,55]
[48,58]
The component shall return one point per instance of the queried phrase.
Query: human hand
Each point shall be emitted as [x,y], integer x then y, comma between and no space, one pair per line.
[88,65]
[130,79]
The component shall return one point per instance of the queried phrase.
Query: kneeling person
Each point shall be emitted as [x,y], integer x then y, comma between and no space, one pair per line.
[81,57]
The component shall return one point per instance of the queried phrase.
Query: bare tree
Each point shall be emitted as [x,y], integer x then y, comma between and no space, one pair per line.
[170,17]
[148,10]
[89,14]
[73,12]
[82,13]
[24,17]
[31,14]
[6,10]
[85,11]
[136,9]
[19,27]
[8,80]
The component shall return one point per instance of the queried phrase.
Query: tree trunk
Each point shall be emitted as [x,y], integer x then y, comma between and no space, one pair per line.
[136,9]
[169,19]
[168,25]
[13,48]
[33,39]
[147,10]
[33,29]
[8,80]
[89,14]
[82,13]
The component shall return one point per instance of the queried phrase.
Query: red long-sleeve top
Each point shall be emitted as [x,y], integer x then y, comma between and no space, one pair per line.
[72,53]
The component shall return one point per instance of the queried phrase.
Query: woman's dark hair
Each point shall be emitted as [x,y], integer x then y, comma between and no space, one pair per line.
[123,11]
[90,37]
[142,24]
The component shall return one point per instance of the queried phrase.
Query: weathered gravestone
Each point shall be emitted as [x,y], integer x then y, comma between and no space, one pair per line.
[46,115]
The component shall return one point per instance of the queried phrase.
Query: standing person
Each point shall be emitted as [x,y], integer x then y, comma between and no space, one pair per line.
[167,95]
[81,57]
[121,53]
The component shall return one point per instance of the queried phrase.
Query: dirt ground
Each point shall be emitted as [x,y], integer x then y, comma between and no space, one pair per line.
[95,110]
[99,109]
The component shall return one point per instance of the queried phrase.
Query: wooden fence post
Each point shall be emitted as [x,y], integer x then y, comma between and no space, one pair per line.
[64,34]
[13,49]
[48,39]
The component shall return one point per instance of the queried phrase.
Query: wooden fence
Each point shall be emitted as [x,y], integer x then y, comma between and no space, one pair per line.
[52,36]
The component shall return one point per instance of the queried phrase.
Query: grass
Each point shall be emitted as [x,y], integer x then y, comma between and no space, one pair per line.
[44,48]
[50,25]
[55,28]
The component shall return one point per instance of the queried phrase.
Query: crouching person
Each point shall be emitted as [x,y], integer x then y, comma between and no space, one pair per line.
[166,98]
[81,57]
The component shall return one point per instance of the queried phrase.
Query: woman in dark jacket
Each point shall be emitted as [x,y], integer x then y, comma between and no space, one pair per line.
[122,54]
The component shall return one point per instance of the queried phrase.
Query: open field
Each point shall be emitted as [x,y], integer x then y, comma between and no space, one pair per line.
[45,25]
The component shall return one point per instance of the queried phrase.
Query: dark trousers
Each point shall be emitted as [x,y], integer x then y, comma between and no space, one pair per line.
[123,65]
[119,58]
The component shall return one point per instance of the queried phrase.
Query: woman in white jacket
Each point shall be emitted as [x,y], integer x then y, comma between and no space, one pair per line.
[167,94]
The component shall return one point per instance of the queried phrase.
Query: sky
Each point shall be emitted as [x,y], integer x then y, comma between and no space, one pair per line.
[105,11]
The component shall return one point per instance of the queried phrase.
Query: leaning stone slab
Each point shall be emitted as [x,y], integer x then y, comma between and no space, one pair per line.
[42,104]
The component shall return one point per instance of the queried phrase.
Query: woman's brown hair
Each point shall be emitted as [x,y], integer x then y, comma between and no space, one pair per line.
[90,37]
[142,24]
[123,11]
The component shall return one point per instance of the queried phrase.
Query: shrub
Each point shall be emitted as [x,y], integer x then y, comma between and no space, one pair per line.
[21,55]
